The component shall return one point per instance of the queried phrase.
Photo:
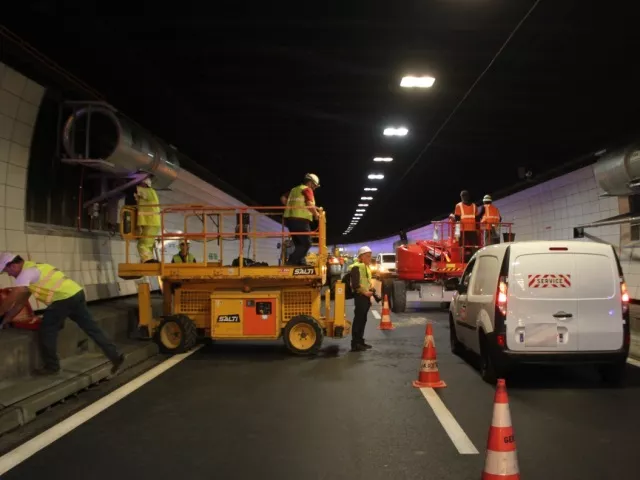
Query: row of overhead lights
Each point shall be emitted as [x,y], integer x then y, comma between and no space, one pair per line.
[406,82]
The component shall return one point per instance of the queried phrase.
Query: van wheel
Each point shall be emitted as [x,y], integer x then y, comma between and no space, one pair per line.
[456,347]
[399,297]
[487,368]
[613,374]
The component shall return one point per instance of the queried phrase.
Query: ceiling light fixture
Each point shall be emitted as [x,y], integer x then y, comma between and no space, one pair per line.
[376,176]
[395,132]
[417,82]
[370,189]
[366,198]
[363,204]
[360,210]
[383,159]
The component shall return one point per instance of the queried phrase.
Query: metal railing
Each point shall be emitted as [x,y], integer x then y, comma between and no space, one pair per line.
[213,221]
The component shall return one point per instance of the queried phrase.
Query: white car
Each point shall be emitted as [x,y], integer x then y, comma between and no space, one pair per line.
[386,264]
[542,302]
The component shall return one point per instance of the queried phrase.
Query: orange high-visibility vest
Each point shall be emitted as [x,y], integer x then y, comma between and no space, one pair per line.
[467,215]
[491,217]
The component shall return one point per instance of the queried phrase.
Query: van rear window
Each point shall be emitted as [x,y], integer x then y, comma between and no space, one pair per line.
[552,276]
[388,258]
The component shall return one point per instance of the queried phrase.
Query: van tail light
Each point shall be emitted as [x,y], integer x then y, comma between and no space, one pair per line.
[624,296]
[501,296]
[501,340]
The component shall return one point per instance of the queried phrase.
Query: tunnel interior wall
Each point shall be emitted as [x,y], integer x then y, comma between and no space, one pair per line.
[549,211]
[90,259]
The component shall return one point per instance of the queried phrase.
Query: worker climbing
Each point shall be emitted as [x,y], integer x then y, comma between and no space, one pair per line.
[148,220]
[301,210]
[490,221]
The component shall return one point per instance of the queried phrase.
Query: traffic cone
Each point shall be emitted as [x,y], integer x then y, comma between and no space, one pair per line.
[385,320]
[502,458]
[429,376]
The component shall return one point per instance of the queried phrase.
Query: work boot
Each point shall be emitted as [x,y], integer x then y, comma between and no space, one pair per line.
[358,348]
[366,346]
[117,364]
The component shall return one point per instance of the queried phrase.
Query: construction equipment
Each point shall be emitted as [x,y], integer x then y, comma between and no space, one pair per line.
[241,300]
[425,265]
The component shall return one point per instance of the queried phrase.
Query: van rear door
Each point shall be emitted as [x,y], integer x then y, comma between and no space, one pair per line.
[599,302]
[542,308]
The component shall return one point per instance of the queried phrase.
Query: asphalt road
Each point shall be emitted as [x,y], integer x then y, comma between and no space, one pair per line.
[235,411]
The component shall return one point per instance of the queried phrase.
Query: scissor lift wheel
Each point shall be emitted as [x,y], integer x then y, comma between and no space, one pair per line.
[303,335]
[176,334]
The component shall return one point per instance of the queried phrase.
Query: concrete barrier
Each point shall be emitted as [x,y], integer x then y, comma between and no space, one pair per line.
[82,363]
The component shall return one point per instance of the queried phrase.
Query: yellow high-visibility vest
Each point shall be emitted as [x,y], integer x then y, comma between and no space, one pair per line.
[297,201]
[148,216]
[53,285]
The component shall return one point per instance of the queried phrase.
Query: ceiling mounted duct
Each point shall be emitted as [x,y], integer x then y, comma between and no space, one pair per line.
[97,136]
[618,172]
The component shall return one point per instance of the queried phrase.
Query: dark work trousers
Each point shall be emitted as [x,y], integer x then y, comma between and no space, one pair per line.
[301,242]
[53,319]
[363,304]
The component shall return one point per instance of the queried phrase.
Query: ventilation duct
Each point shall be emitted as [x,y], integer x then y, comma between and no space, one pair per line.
[98,137]
[618,172]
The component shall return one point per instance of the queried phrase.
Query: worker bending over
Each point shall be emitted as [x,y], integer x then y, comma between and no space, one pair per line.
[301,211]
[183,256]
[466,214]
[360,276]
[490,221]
[149,222]
[63,297]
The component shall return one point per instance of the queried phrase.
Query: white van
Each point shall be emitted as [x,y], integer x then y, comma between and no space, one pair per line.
[386,264]
[544,303]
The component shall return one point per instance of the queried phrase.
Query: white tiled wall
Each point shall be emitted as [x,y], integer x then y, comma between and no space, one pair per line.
[91,259]
[549,211]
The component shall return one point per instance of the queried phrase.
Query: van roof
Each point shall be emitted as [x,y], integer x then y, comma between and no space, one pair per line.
[532,246]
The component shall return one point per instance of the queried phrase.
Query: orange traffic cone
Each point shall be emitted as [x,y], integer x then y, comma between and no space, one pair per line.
[502,459]
[429,375]
[385,321]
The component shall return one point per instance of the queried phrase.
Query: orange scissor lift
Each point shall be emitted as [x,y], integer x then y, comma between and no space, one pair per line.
[229,294]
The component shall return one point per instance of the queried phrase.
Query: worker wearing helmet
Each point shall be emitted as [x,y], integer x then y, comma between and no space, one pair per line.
[360,276]
[183,256]
[63,298]
[466,214]
[148,220]
[490,221]
[301,210]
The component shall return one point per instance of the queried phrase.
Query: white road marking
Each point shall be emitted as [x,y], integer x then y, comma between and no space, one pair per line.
[460,439]
[633,362]
[33,446]
[376,314]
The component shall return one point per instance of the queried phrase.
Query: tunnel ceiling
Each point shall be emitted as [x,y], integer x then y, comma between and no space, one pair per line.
[260,95]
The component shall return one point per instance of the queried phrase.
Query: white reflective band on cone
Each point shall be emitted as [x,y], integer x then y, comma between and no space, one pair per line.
[501,415]
[429,366]
[501,463]
[428,340]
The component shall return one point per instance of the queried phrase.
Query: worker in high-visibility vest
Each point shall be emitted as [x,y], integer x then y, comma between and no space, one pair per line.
[466,214]
[183,256]
[149,221]
[361,286]
[301,210]
[63,298]
[490,221]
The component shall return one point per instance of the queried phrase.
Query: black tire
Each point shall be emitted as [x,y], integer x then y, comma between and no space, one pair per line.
[613,374]
[296,333]
[487,367]
[399,297]
[445,305]
[176,334]
[387,289]
[456,347]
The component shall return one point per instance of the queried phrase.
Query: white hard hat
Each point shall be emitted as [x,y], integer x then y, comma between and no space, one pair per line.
[184,242]
[363,250]
[5,258]
[147,181]
[487,198]
[313,177]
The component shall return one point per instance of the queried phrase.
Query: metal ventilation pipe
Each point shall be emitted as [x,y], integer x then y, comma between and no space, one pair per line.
[100,138]
[618,172]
